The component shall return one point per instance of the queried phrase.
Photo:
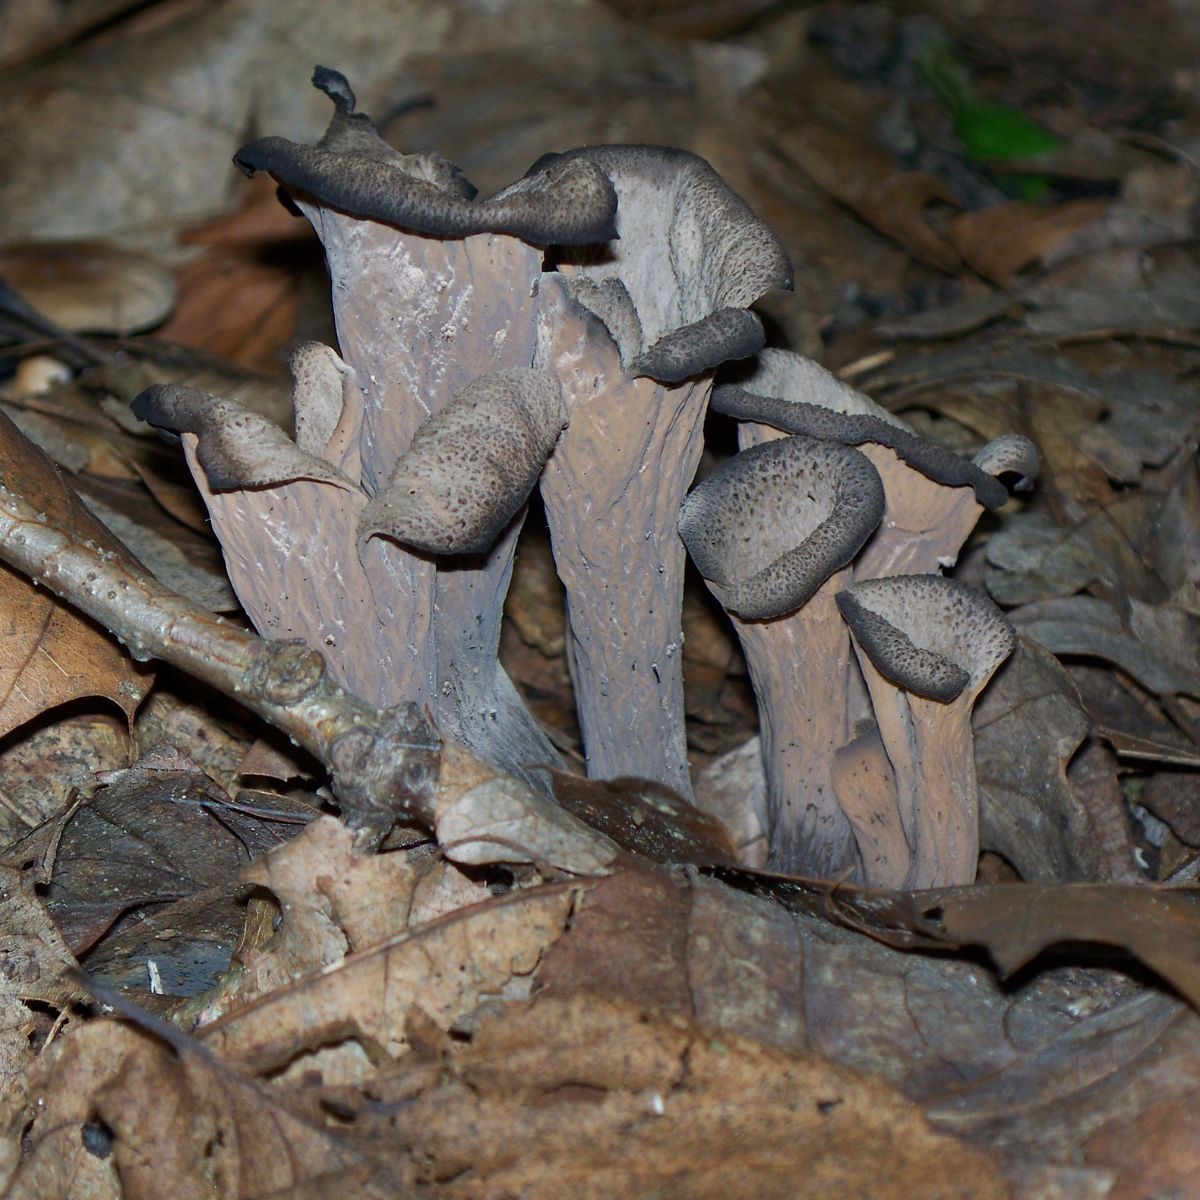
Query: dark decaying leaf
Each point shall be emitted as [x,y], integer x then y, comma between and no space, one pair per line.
[1156,645]
[1028,725]
[648,819]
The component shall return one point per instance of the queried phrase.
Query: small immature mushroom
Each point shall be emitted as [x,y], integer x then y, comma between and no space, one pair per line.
[431,289]
[298,534]
[634,334]
[927,647]
[286,513]
[773,530]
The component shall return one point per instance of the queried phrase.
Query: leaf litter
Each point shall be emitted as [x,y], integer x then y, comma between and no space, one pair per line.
[524,1003]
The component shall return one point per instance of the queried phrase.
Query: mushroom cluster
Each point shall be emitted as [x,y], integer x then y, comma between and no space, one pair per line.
[830,498]
[564,334]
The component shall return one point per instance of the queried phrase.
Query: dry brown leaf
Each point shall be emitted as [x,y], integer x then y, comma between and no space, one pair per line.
[122,1116]
[998,242]
[1174,797]
[50,654]
[177,716]
[1122,290]
[594,1099]
[691,18]
[241,297]
[1016,922]
[1034,558]
[300,875]
[43,767]
[867,179]
[90,287]
[18,1027]
[33,955]
[1076,1099]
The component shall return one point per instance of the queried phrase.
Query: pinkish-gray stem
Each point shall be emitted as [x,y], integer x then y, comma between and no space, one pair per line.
[418,318]
[612,490]
[799,665]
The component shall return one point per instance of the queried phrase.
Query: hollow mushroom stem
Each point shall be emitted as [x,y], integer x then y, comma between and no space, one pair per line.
[772,530]
[432,288]
[634,335]
[927,647]
[612,489]
[802,721]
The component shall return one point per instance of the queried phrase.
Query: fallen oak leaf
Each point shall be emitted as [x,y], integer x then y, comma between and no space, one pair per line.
[143,1111]
[867,180]
[592,1097]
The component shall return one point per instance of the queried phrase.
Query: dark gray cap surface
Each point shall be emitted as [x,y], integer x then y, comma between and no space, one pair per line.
[354,170]
[929,635]
[771,524]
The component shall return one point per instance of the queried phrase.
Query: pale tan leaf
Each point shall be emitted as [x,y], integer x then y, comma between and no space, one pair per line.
[444,968]
[485,816]
[33,956]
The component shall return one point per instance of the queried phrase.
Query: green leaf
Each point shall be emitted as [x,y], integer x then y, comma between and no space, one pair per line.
[997,133]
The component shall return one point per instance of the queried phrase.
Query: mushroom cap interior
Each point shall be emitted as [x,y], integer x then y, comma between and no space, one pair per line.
[675,212]
[797,395]
[930,635]
[771,524]
[1010,454]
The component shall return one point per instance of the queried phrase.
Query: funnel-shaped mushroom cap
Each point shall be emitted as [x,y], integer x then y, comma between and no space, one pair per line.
[471,466]
[237,448]
[1010,454]
[769,526]
[691,257]
[353,169]
[930,635]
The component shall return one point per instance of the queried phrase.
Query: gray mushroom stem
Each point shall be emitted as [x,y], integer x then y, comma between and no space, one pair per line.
[419,317]
[927,647]
[797,663]
[773,531]
[634,335]
[612,489]
[433,288]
